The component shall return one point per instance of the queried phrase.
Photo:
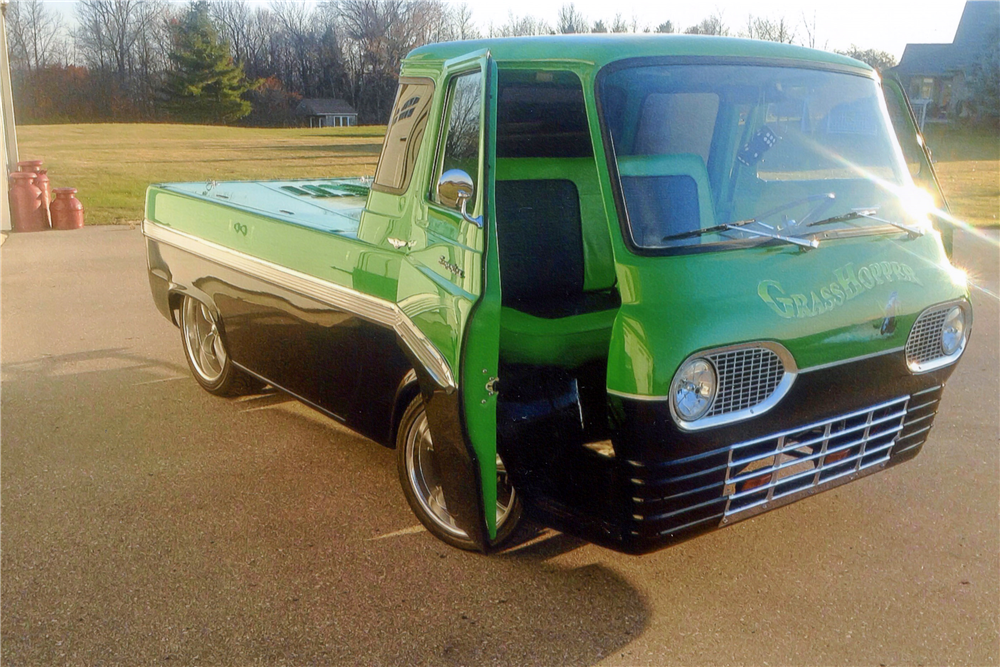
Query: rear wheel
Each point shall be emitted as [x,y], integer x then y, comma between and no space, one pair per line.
[206,353]
[421,484]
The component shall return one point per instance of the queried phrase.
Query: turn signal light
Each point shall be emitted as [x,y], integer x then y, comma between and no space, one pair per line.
[755,482]
[836,456]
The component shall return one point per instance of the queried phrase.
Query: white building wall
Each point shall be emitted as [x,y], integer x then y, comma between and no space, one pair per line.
[8,153]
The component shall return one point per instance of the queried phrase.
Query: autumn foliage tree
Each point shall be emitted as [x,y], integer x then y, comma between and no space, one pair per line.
[204,85]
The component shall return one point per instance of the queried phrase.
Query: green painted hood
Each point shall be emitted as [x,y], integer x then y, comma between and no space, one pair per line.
[824,305]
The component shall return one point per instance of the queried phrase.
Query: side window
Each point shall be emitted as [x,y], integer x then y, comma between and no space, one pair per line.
[461,142]
[906,132]
[404,135]
[541,114]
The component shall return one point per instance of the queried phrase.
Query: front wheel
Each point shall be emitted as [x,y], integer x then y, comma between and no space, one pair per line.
[420,479]
[206,353]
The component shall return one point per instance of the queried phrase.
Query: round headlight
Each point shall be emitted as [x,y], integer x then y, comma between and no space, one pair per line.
[953,331]
[694,389]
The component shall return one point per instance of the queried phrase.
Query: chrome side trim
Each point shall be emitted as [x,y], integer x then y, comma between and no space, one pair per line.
[637,397]
[833,364]
[373,309]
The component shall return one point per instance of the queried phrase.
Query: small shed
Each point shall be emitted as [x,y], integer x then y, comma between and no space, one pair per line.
[327,112]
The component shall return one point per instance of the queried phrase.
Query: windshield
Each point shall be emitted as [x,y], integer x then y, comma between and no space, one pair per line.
[711,155]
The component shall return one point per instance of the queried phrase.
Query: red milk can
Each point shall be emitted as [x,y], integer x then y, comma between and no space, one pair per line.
[26,203]
[66,209]
[29,165]
[42,183]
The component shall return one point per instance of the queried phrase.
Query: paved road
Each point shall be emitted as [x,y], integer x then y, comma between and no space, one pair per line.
[146,522]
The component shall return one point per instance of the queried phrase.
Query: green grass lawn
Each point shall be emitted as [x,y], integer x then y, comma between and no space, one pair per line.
[111,165]
[967,163]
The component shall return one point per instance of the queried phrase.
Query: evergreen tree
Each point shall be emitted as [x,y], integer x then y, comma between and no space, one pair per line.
[204,85]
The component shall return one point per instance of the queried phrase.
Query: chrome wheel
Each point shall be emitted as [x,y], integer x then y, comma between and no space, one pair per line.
[203,342]
[424,480]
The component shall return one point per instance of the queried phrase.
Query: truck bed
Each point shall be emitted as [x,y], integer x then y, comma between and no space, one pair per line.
[329,205]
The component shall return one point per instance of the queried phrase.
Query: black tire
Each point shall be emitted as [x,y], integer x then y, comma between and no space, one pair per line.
[205,351]
[412,440]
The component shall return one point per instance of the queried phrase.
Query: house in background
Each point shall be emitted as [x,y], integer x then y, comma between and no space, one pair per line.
[327,112]
[935,76]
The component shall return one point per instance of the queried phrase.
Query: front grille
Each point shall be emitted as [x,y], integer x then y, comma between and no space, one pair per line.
[768,469]
[678,497]
[747,377]
[924,343]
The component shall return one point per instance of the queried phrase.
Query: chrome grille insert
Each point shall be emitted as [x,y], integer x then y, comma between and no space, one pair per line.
[923,346]
[752,378]
[924,343]
[746,376]
[797,462]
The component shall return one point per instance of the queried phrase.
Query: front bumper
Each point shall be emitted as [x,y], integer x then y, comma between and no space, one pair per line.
[664,485]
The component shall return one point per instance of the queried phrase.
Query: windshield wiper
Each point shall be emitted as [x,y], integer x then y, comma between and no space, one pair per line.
[869,214]
[740,225]
[709,230]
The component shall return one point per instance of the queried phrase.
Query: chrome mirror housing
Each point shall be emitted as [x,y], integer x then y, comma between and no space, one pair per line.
[453,186]
[454,190]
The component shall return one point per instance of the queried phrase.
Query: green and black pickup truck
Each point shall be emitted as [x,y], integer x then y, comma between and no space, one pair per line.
[635,288]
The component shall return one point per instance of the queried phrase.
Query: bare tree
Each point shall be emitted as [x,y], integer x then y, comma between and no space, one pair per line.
[619,24]
[879,60]
[36,35]
[109,31]
[298,41]
[571,20]
[248,30]
[124,43]
[463,26]
[810,28]
[519,26]
[666,27]
[769,30]
[377,34]
[713,25]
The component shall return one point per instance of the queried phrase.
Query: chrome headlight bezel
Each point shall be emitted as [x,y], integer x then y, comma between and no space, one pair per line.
[704,422]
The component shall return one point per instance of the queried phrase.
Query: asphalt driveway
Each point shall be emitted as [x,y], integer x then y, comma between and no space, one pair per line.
[143,521]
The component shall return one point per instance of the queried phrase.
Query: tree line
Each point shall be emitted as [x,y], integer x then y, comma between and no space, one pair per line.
[151,60]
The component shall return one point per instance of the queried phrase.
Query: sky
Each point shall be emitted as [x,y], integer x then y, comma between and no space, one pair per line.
[887,25]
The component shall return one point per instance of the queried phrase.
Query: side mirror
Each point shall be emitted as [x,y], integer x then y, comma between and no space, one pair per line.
[454,190]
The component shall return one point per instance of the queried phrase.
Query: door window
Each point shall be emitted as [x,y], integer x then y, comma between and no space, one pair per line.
[461,141]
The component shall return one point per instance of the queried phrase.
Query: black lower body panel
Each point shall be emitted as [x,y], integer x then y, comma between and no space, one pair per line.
[659,485]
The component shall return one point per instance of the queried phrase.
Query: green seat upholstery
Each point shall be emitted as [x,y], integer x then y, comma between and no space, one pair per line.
[566,320]
[566,341]
[599,263]
[666,194]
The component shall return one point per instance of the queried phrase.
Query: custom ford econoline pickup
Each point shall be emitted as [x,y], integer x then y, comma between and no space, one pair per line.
[633,287]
